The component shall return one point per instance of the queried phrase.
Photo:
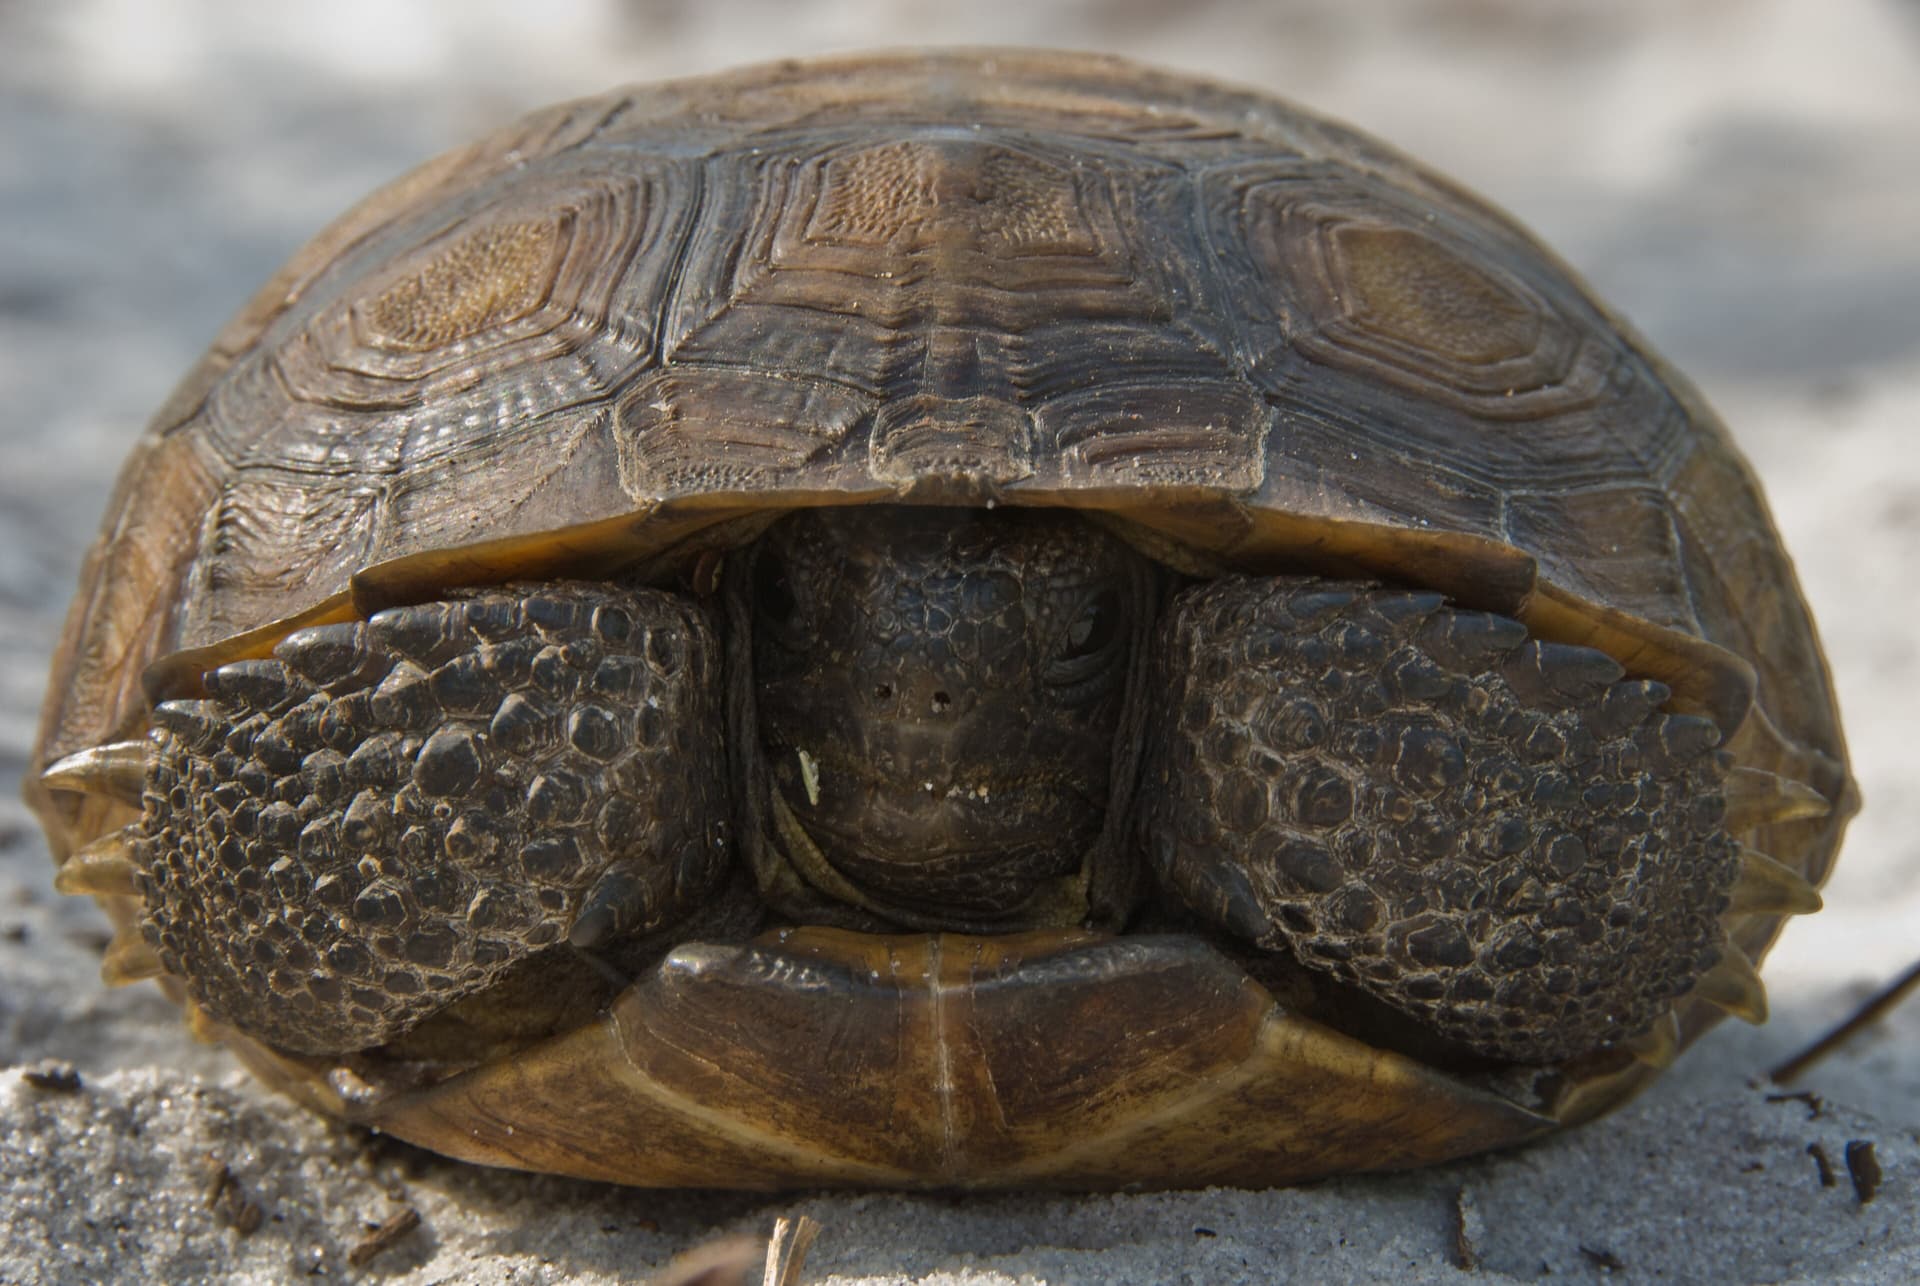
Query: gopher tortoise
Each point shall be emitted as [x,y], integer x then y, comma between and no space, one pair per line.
[987,619]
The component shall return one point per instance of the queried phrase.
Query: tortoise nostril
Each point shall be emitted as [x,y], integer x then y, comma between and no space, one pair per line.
[940,702]
[884,692]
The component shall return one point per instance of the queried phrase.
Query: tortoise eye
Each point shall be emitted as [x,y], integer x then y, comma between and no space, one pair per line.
[773,601]
[1084,666]
[1095,629]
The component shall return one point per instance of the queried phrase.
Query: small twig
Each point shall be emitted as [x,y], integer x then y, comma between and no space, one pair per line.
[383,1237]
[726,1262]
[1815,1105]
[228,1200]
[1868,1014]
[54,1078]
[1824,1162]
[1604,1260]
[1864,1169]
[787,1250]
[1466,1220]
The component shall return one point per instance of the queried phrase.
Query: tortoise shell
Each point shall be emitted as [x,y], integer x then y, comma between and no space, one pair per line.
[630,329]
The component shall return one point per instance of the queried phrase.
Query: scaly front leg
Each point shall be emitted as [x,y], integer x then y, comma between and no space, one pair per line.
[391,814]
[1495,835]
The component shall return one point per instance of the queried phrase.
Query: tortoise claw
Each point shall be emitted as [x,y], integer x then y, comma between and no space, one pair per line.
[1756,797]
[104,867]
[117,770]
[1765,887]
[205,1028]
[1659,1045]
[787,1249]
[1732,985]
[129,960]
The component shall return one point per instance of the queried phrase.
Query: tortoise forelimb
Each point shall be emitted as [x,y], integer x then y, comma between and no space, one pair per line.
[391,815]
[1502,837]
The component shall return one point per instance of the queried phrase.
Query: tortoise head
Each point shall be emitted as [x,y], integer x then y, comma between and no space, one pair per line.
[940,692]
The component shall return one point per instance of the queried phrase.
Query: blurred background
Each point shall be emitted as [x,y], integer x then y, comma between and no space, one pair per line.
[1740,177]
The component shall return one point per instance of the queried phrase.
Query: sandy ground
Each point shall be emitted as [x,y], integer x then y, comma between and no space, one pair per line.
[1738,177]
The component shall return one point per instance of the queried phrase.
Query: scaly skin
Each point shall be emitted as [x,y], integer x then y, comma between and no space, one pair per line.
[391,814]
[1493,835]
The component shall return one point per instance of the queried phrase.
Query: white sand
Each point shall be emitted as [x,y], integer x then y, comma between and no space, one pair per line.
[1739,178]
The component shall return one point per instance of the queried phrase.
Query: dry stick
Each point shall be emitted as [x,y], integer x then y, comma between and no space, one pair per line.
[787,1249]
[726,1262]
[1867,1015]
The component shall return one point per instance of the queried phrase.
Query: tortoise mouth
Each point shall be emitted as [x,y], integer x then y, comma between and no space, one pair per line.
[929,820]
[977,820]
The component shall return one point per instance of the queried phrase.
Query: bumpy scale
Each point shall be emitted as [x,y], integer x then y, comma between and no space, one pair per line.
[390,814]
[1493,834]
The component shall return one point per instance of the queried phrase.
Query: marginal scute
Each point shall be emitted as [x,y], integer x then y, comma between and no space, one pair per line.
[1169,433]
[962,449]
[689,428]
[1642,554]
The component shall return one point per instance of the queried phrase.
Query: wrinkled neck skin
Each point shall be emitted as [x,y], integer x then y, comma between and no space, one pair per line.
[943,708]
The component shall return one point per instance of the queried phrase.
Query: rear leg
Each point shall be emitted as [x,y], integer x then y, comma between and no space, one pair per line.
[1497,836]
[390,815]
